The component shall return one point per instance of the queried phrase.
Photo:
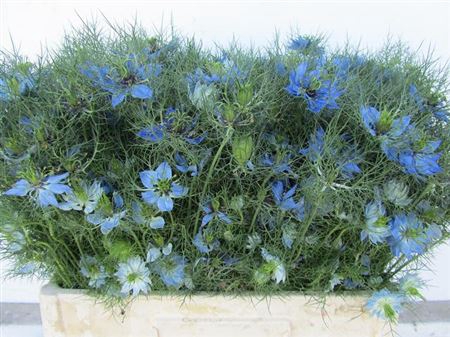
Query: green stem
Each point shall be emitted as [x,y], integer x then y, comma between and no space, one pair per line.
[261,198]
[225,141]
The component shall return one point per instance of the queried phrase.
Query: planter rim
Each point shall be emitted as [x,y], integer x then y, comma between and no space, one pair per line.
[51,289]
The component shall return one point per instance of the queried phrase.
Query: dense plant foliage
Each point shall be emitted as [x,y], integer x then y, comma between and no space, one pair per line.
[135,163]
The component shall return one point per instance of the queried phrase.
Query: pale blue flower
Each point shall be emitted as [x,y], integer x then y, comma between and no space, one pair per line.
[410,285]
[171,270]
[84,199]
[43,192]
[91,269]
[160,189]
[134,277]
[397,192]
[108,219]
[385,305]
[376,228]
[210,214]
[285,200]
[409,236]
[154,222]
[204,242]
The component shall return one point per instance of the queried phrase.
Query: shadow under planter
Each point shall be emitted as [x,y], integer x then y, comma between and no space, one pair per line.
[72,313]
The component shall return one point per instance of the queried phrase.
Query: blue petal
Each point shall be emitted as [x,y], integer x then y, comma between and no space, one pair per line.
[150,197]
[57,178]
[157,222]
[141,91]
[165,203]
[58,188]
[371,117]
[118,98]
[148,178]
[207,218]
[154,133]
[46,198]
[109,224]
[178,191]
[95,219]
[164,171]
[277,190]
[20,188]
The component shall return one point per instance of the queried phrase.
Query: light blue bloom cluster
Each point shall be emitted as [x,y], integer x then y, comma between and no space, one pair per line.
[133,83]
[44,192]
[134,277]
[160,189]
[399,141]
[318,92]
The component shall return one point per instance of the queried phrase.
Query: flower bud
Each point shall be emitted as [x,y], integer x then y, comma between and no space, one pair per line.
[228,113]
[245,94]
[242,149]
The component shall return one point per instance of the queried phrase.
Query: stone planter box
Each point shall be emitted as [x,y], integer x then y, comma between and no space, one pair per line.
[71,313]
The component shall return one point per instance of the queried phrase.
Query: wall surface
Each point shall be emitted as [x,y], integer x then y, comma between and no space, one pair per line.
[426,24]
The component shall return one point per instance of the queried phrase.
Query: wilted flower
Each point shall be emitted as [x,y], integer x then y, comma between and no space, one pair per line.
[203,96]
[253,241]
[160,189]
[385,305]
[134,276]
[44,191]
[376,228]
[273,268]
[91,269]
[410,285]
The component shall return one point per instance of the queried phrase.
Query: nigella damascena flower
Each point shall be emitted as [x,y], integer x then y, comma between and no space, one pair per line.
[145,216]
[376,228]
[316,145]
[134,276]
[20,83]
[410,285]
[285,200]
[171,270]
[423,162]
[385,305]
[439,111]
[205,241]
[318,93]
[92,270]
[299,43]
[85,198]
[108,217]
[409,236]
[212,211]
[160,189]
[133,83]
[43,191]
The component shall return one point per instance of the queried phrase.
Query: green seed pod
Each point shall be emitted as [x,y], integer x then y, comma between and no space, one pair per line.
[242,149]
[245,94]
[228,113]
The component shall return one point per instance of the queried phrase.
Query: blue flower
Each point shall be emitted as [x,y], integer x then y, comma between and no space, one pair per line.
[204,242]
[154,222]
[279,163]
[289,235]
[376,228]
[421,163]
[91,269]
[173,123]
[409,236]
[134,83]
[410,285]
[171,270]
[316,146]
[285,200]
[381,123]
[438,110]
[108,217]
[160,189]
[134,277]
[385,305]
[183,166]
[44,192]
[20,83]
[84,199]
[318,93]
[211,213]
[299,43]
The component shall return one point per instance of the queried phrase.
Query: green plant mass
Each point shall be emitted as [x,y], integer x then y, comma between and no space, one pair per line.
[133,163]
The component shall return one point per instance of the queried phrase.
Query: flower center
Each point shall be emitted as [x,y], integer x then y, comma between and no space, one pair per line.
[129,80]
[132,277]
[164,186]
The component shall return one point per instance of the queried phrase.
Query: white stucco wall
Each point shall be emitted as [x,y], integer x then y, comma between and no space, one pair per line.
[32,24]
